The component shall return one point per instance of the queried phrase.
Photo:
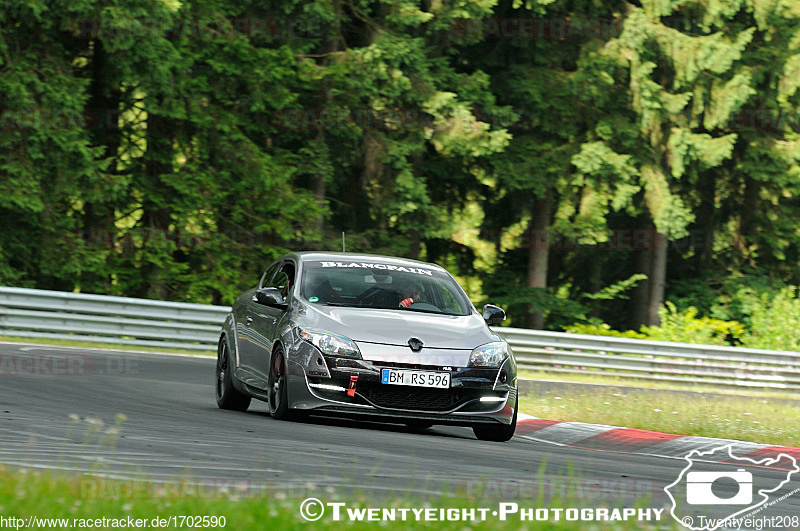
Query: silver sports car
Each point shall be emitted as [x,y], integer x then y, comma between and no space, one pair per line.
[369,337]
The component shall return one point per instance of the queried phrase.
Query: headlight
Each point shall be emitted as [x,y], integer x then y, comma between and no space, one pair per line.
[331,344]
[489,355]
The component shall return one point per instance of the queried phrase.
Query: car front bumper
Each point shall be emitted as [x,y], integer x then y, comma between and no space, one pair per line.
[476,395]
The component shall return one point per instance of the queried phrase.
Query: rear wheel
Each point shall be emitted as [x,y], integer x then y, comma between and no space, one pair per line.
[499,433]
[227,396]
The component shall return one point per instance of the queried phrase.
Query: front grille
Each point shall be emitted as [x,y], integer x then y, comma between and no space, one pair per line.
[398,365]
[417,398]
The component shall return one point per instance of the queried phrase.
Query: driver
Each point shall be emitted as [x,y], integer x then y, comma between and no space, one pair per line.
[411,295]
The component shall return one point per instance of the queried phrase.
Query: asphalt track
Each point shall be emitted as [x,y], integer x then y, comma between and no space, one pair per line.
[54,399]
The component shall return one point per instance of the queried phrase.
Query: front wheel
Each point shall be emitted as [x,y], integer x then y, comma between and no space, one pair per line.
[277,393]
[227,396]
[499,433]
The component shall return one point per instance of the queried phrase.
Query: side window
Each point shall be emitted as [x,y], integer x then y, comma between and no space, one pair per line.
[267,276]
[284,280]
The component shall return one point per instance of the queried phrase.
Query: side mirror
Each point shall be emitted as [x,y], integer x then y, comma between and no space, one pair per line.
[493,314]
[270,297]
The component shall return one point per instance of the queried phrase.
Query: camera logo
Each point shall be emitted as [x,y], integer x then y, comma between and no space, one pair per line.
[698,488]
[704,500]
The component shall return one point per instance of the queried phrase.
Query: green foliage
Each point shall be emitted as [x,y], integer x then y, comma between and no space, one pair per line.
[94,500]
[774,321]
[617,290]
[156,158]
[559,309]
[686,327]
[602,329]
[680,326]
[605,180]
[198,175]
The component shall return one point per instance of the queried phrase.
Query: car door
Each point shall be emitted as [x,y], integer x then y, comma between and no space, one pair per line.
[246,331]
[265,319]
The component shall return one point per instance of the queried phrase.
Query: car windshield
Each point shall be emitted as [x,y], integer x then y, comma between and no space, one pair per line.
[381,285]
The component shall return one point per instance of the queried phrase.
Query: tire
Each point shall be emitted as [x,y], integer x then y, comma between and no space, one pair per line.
[227,396]
[500,433]
[277,394]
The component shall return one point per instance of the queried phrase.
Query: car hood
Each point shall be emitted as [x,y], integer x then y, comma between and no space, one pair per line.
[396,327]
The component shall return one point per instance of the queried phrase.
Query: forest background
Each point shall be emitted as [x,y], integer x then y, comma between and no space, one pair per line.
[590,165]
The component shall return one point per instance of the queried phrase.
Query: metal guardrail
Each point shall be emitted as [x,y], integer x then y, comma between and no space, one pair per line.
[117,320]
[558,352]
[123,320]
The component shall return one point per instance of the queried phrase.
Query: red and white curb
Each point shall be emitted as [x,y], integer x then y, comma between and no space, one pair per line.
[635,441]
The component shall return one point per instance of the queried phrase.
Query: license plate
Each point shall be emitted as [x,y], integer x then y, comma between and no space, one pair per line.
[416,378]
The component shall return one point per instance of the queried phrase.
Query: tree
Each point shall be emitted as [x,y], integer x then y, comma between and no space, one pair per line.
[678,84]
[46,153]
[402,122]
[535,182]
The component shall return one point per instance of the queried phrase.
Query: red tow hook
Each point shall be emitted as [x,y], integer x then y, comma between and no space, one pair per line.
[351,391]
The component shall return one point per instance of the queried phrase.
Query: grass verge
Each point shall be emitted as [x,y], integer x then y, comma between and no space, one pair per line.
[43,495]
[110,346]
[767,420]
[597,378]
